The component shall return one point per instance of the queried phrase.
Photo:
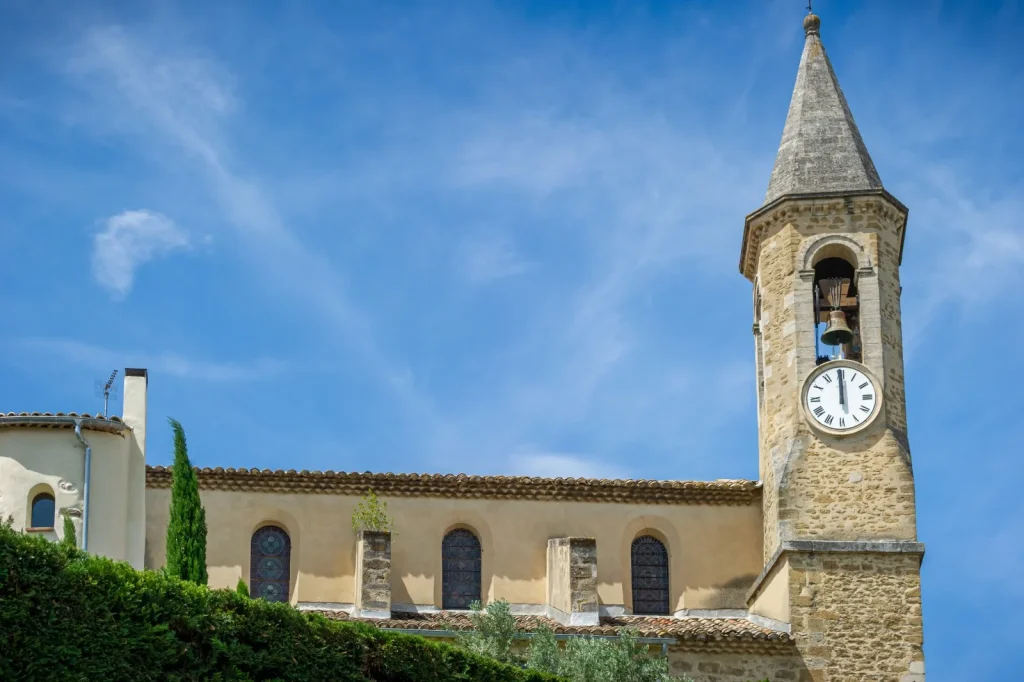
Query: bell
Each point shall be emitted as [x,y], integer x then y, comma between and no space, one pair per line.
[837,333]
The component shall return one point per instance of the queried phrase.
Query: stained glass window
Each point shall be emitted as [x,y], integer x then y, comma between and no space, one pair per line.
[270,564]
[650,576]
[43,509]
[460,569]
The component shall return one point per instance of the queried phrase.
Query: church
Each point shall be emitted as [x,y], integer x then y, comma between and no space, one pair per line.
[811,572]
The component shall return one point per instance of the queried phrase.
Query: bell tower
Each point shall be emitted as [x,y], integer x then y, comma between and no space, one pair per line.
[842,561]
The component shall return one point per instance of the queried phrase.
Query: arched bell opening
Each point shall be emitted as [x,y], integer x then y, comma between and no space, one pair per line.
[836,310]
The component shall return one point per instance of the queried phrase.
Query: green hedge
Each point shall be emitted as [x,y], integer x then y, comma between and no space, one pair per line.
[68,616]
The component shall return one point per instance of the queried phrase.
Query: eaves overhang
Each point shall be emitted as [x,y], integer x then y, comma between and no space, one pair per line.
[46,420]
[748,258]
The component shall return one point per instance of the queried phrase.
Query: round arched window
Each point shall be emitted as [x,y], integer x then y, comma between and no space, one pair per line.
[460,569]
[649,563]
[270,565]
[43,510]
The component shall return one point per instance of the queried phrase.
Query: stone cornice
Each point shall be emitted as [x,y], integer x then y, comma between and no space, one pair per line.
[723,492]
[831,203]
[833,547]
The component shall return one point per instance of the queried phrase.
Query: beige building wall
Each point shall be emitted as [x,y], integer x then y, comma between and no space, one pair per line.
[41,453]
[772,600]
[714,550]
[52,460]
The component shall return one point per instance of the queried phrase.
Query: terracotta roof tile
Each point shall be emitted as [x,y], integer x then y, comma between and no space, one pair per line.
[696,631]
[60,420]
[736,492]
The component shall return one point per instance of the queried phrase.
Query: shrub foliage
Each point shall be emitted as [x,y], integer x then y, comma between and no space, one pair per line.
[582,659]
[69,616]
[372,514]
[69,539]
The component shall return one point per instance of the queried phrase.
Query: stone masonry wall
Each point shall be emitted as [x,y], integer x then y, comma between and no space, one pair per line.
[857,616]
[816,486]
[583,575]
[373,584]
[777,278]
[709,666]
[572,580]
[849,489]
[887,245]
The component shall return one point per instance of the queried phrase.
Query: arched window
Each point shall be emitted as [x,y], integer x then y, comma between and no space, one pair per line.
[835,286]
[649,562]
[460,569]
[43,509]
[270,564]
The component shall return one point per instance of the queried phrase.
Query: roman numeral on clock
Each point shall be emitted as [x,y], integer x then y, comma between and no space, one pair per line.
[814,399]
[818,411]
[827,378]
[828,420]
[842,422]
[863,385]
[865,408]
[868,397]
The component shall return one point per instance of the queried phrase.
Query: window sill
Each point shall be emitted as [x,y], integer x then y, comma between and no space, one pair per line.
[41,529]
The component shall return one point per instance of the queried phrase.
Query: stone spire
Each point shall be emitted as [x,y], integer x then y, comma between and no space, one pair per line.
[821,148]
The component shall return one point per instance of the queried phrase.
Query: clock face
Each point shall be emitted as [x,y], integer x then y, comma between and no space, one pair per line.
[841,397]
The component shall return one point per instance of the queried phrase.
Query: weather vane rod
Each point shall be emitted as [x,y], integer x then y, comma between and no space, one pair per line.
[809,10]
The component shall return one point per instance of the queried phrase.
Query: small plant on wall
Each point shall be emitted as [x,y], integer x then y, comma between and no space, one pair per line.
[372,514]
[69,539]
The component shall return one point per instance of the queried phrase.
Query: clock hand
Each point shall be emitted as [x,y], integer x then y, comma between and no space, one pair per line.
[842,389]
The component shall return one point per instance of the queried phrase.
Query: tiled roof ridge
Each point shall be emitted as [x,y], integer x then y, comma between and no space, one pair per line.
[83,415]
[468,486]
[730,631]
[62,421]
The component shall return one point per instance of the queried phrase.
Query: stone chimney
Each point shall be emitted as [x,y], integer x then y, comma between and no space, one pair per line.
[572,581]
[373,574]
[136,383]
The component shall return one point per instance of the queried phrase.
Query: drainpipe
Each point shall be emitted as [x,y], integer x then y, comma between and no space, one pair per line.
[85,492]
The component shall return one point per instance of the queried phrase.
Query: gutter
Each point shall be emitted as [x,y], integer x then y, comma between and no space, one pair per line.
[85,488]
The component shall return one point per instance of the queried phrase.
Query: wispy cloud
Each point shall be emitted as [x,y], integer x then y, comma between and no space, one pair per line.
[529,462]
[168,363]
[975,252]
[179,103]
[129,240]
[635,197]
[488,257]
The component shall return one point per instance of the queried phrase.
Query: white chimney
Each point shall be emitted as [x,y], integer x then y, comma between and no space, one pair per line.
[136,381]
[133,412]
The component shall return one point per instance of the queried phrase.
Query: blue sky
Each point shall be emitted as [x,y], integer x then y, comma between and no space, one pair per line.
[503,238]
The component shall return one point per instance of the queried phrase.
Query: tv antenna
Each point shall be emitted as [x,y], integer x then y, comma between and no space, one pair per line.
[105,390]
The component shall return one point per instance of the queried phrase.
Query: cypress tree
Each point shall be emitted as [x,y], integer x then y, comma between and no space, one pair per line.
[186,530]
[69,539]
[241,588]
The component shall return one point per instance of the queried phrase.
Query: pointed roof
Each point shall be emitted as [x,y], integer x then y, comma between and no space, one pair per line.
[821,148]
